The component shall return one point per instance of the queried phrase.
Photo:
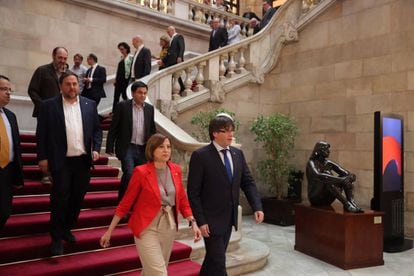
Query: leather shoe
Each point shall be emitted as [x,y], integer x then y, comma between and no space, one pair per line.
[69,237]
[56,248]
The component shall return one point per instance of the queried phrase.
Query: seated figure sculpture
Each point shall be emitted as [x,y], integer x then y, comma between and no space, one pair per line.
[327,180]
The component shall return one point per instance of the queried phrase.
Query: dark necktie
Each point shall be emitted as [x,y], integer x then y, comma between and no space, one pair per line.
[227,165]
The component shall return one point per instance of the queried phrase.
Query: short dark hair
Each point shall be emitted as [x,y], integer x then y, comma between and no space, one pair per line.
[137,85]
[93,56]
[78,55]
[154,142]
[220,123]
[125,45]
[67,74]
[2,77]
[54,52]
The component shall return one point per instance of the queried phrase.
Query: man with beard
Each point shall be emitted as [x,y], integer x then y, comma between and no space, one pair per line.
[72,123]
[45,84]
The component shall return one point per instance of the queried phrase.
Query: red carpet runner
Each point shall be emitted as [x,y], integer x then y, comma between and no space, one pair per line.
[24,242]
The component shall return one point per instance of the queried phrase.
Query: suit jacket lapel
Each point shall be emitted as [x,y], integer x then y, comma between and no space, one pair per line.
[85,125]
[152,180]
[53,73]
[129,118]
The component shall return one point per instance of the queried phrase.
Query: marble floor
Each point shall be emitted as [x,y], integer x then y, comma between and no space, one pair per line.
[284,260]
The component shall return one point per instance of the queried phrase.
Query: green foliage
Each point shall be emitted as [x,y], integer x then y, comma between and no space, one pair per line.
[277,134]
[202,119]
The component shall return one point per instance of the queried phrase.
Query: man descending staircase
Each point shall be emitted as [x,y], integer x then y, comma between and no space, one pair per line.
[24,242]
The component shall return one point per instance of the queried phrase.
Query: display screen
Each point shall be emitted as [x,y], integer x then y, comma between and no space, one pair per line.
[391,154]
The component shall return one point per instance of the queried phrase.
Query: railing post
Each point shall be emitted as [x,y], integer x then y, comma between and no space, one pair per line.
[176,86]
[188,82]
[232,64]
[200,76]
[222,68]
[242,61]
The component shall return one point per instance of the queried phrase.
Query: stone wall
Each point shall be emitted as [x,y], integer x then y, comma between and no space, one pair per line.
[356,58]
[31,29]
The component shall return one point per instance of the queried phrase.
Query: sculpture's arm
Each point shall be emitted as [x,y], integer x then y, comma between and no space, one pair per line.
[322,176]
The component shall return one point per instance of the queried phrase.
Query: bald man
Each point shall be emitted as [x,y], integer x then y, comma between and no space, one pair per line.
[141,63]
[176,50]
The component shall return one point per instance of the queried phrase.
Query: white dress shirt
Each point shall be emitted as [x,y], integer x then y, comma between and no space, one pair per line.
[74,128]
[219,148]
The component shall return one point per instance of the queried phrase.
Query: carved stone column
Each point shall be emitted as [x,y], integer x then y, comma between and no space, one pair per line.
[242,61]
[200,76]
[176,86]
[188,82]
[232,64]
[222,67]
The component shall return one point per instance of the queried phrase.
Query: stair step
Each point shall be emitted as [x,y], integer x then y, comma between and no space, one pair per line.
[37,246]
[96,184]
[39,223]
[97,262]
[28,147]
[42,203]
[183,268]
[31,159]
[98,171]
[28,138]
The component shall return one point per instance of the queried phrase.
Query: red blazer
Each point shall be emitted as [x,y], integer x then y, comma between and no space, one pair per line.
[143,190]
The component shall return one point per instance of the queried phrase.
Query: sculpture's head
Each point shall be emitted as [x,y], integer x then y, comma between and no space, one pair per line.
[321,150]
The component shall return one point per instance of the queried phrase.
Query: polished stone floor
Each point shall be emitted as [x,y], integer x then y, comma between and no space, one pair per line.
[284,260]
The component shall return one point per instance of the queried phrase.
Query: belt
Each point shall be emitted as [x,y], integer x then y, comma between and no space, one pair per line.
[136,145]
[166,213]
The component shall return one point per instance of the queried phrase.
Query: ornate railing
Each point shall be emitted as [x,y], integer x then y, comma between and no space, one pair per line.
[194,11]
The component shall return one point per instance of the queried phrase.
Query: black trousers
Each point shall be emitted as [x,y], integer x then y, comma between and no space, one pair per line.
[68,190]
[120,90]
[6,192]
[214,263]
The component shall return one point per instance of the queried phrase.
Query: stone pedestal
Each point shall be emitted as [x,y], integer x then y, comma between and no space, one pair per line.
[346,240]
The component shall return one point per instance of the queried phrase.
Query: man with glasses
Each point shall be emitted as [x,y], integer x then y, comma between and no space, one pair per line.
[216,174]
[10,155]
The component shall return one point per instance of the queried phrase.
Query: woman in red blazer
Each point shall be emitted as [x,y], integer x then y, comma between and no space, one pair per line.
[157,195]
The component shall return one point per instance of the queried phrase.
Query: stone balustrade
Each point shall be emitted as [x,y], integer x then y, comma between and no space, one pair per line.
[193,11]
[210,76]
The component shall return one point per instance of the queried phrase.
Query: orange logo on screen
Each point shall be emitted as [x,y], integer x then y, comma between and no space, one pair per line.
[391,150]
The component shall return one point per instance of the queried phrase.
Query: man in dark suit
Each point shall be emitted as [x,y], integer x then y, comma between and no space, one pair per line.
[45,80]
[69,138]
[269,12]
[218,36]
[132,125]
[94,80]
[141,63]
[10,155]
[216,174]
[45,84]
[175,51]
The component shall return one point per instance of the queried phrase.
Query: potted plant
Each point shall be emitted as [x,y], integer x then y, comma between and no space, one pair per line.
[277,134]
[202,119]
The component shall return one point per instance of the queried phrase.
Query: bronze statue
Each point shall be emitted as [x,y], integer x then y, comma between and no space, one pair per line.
[327,180]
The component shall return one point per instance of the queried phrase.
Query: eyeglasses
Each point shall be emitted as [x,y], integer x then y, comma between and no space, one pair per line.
[6,89]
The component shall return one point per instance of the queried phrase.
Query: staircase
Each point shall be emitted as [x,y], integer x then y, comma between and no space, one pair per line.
[25,241]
